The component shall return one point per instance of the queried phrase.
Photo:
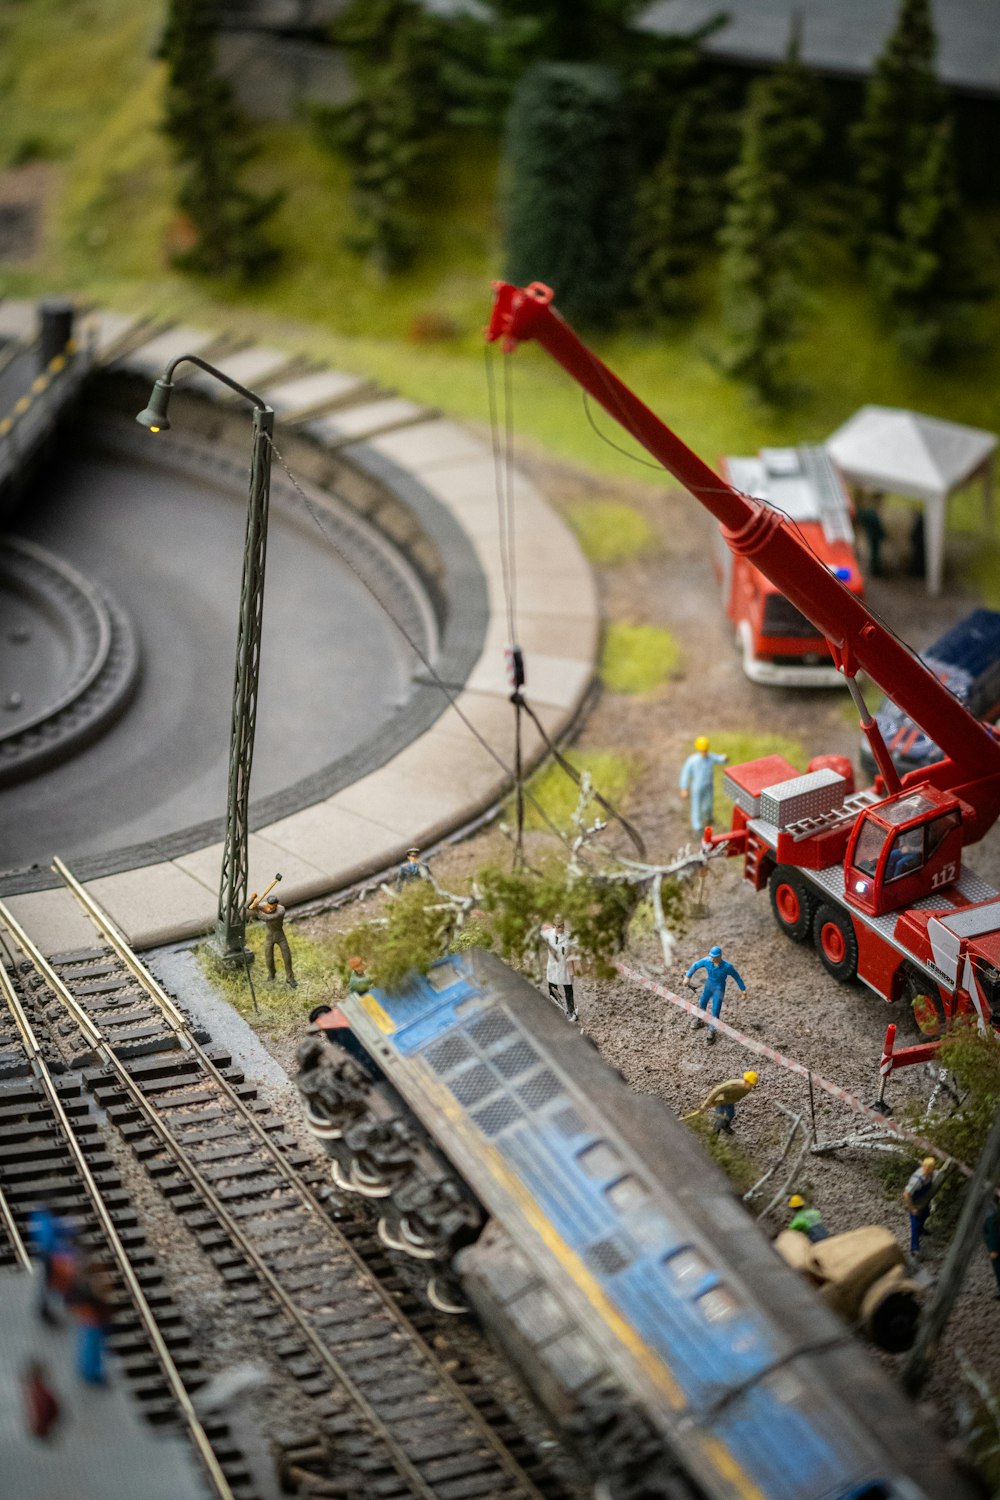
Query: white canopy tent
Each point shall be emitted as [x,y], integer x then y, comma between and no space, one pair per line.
[886,448]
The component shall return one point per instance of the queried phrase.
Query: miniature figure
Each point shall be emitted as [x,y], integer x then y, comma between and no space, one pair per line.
[41,1406]
[272,914]
[697,774]
[991,1237]
[807,1221]
[869,517]
[358,983]
[717,971]
[917,1196]
[561,964]
[412,868]
[723,1099]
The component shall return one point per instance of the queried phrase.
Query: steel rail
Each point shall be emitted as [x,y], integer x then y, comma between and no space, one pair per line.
[120,945]
[194,1174]
[40,1069]
[13,1232]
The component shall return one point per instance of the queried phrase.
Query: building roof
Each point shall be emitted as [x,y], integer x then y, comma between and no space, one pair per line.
[839,36]
[886,448]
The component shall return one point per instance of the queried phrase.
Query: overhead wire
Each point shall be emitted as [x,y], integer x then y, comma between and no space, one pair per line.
[417,650]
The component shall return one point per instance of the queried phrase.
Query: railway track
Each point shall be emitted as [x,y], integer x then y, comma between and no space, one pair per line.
[51,1147]
[320,1293]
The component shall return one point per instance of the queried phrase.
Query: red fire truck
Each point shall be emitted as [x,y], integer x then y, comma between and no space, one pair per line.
[780,647]
[873,878]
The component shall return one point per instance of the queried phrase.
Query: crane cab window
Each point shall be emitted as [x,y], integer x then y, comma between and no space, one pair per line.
[869,846]
[906,854]
[939,830]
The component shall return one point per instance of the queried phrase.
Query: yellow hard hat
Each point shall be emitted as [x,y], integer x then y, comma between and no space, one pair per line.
[701,744]
[750,1078]
[928,1161]
[796,1202]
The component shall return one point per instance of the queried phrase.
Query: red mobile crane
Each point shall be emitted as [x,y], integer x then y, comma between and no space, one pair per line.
[873,878]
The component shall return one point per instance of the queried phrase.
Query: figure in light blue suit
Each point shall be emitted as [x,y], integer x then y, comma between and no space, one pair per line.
[697,776]
[717,971]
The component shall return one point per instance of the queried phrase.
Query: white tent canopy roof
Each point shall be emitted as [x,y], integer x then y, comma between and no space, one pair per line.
[887,448]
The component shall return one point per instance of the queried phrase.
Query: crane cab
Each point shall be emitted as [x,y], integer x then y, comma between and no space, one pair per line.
[903,849]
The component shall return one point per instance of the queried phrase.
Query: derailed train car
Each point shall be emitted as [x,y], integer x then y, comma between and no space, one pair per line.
[603,1250]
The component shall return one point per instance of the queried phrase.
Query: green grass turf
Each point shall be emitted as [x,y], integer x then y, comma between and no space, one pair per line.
[111,222]
[558,795]
[638,658]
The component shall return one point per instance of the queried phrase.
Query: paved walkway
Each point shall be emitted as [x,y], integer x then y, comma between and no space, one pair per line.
[101,1447]
[443,778]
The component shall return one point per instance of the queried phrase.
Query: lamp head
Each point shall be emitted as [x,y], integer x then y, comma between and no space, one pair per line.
[154,416]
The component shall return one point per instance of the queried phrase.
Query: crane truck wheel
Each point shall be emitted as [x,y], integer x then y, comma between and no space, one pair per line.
[836,942]
[792,902]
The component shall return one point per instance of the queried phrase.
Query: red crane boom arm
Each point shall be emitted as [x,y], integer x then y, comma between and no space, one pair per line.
[857,640]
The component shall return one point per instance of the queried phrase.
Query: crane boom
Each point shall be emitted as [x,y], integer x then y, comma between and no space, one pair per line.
[858,642]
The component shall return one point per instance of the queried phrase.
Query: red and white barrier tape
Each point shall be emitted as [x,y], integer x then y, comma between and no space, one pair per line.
[763,1050]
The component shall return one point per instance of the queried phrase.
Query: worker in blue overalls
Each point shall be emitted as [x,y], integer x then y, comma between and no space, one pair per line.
[697,782]
[717,972]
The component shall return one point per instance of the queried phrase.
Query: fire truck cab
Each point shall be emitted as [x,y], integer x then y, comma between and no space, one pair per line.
[780,647]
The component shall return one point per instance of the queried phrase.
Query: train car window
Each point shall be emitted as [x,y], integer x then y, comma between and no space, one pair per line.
[448,1054]
[600,1160]
[540,1089]
[517,1058]
[493,1118]
[717,1305]
[609,1256]
[444,975]
[687,1267]
[626,1194]
[490,1028]
[475,1084]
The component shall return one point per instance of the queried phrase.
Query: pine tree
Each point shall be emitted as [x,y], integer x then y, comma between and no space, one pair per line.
[924,274]
[388,131]
[903,105]
[764,232]
[211,147]
[568,170]
[668,227]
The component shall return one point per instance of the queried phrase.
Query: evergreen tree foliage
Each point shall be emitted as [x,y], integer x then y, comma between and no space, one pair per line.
[903,105]
[211,147]
[388,131]
[667,235]
[568,169]
[765,227]
[924,275]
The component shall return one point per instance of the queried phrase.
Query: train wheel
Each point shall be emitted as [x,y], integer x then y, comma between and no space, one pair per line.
[322,1126]
[368,1183]
[836,943]
[792,902]
[442,1294]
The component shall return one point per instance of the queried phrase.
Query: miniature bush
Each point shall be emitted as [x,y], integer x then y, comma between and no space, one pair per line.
[610,532]
[638,658]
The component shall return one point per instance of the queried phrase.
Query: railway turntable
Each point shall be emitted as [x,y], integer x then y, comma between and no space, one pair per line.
[100,1449]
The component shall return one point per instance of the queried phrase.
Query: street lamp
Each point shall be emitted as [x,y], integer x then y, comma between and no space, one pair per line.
[231,923]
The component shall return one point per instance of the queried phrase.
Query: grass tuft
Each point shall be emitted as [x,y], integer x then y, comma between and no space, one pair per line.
[611,774]
[638,658]
[610,532]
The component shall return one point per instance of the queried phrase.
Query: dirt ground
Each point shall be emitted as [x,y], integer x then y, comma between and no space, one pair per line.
[791,1003]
